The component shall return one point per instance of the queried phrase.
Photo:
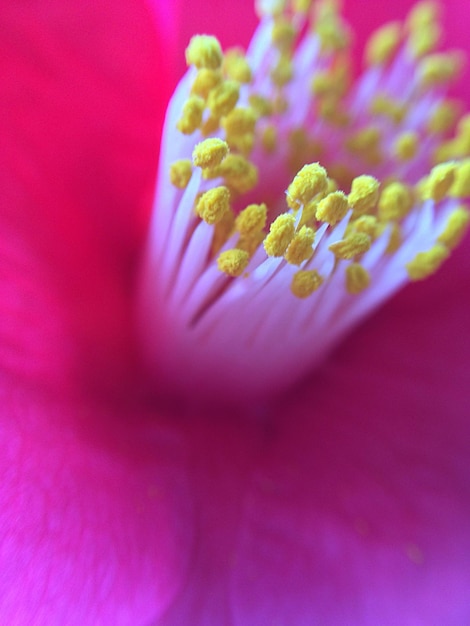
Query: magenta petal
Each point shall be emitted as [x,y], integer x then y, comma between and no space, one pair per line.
[92,505]
[79,118]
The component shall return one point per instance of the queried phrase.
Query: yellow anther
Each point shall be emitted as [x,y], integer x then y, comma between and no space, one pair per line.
[440,68]
[461,185]
[366,144]
[239,173]
[455,229]
[422,14]
[210,153]
[357,278]
[283,71]
[239,122]
[333,33]
[364,195]
[353,245]
[366,224]
[261,105]
[269,7]
[426,263]
[300,248]
[191,116]
[204,51]
[180,173]
[269,138]
[331,109]
[406,146]
[439,181]
[283,34]
[236,66]
[396,201]
[310,181]
[383,44]
[383,105]
[280,235]
[332,208]
[443,117]
[301,6]
[233,262]
[213,204]
[251,220]
[424,40]
[396,239]
[206,79]
[333,81]
[305,282]
[223,98]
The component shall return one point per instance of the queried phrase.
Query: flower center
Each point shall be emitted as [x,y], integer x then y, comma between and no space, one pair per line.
[293,199]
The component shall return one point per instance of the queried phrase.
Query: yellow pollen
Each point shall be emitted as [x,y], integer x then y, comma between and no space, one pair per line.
[439,181]
[269,7]
[261,105]
[213,204]
[332,208]
[333,33]
[223,98]
[422,14]
[180,173]
[366,224]
[426,263]
[443,117]
[366,144]
[280,235]
[239,173]
[269,138]
[456,227]
[283,71]
[252,219]
[204,51]
[301,6]
[300,248]
[357,278]
[233,262]
[283,34]
[383,44]
[191,116]
[461,185]
[305,282]
[206,80]
[440,68]
[353,245]
[210,153]
[383,105]
[406,146]
[424,40]
[310,181]
[239,125]
[364,195]
[396,201]
[237,67]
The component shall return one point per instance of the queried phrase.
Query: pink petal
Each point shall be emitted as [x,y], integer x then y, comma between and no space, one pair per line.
[80,112]
[94,501]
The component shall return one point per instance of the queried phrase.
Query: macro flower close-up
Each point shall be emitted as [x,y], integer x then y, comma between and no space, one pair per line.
[234,339]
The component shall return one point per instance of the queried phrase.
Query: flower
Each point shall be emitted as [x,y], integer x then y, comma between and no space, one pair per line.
[347,504]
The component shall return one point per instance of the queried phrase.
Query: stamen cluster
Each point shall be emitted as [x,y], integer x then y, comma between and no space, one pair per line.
[293,199]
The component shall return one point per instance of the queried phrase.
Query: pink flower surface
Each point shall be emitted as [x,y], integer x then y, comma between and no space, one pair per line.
[345,503]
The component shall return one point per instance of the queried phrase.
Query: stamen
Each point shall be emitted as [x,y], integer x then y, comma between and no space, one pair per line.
[294,197]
